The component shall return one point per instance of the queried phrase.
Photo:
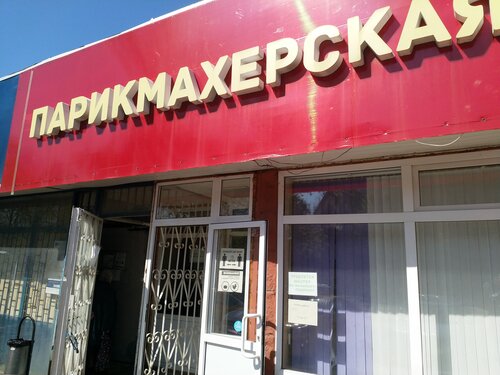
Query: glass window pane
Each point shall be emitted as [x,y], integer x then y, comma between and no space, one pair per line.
[126,201]
[235,197]
[459,276]
[33,237]
[185,200]
[348,299]
[458,186]
[353,194]
[228,287]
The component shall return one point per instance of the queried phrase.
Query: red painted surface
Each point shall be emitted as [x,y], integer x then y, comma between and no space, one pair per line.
[433,92]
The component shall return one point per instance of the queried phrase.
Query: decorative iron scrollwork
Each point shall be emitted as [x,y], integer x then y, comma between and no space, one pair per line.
[176,286]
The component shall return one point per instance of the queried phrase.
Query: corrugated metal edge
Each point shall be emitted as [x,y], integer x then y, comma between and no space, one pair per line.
[151,21]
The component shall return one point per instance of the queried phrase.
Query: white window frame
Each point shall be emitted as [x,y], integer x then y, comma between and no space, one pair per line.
[214,218]
[410,215]
[433,167]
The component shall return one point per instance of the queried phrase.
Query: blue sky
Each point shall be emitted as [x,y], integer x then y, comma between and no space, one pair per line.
[33,30]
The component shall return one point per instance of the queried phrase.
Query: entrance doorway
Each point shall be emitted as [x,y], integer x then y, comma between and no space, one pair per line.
[233,307]
[117,298]
[103,282]
[204,292]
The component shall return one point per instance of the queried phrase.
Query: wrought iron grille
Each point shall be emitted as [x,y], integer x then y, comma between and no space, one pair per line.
[175,301]
[88,235]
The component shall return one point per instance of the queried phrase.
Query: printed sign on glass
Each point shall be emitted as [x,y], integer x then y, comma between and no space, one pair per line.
[232,259]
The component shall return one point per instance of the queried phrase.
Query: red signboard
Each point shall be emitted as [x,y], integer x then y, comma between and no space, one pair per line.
[431,92]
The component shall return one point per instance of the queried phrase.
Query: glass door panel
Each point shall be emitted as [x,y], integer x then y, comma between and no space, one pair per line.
[232,337]
[229,285]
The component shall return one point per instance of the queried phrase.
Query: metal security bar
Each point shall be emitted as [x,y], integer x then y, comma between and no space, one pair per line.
[175,301]
[72,333]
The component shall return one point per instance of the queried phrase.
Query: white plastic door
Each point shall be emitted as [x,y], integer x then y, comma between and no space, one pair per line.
[233,304]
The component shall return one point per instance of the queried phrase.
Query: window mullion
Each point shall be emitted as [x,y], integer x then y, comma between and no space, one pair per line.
[216,197]
[413,299]
[407,187]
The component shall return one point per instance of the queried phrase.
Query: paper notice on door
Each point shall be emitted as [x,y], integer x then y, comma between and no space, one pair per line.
[303,284]
[53,286]
[303,312]
[230,281]
[232,259]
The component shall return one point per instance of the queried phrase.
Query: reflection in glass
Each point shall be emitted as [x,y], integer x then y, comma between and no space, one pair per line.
[341,194]
[185,200]
[459,277]
[32,252]
[235,197]
[228,287]
[362,309]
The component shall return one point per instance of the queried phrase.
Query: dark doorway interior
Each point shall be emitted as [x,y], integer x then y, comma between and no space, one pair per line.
[117,297]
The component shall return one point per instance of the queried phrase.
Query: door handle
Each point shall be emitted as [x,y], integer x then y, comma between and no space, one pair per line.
[244,320]
[74,342]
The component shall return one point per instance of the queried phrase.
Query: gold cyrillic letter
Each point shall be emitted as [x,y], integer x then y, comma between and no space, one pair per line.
[472,18]
[185,89]
[312,43]
[216,75]
[283,56]
[157,93]
[59,119]
[414,34]
[123,104]
[78,111]
[246,71]
[359,37]
[39,120]
[100,107]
